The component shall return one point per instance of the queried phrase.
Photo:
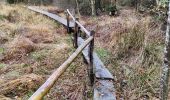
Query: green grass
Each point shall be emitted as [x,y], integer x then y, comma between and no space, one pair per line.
[1,17]
[39,55]
[104,55]
[28,95]
[1,50]
[2,65]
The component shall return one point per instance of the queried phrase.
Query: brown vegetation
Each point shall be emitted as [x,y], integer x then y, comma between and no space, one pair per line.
[134,52]
[35,45]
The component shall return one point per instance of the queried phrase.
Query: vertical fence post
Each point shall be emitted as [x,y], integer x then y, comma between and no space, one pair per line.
[91,48]
[75,35]
[68,22]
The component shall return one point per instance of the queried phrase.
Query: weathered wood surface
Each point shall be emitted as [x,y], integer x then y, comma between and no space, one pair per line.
[53,16]
[44,89]
[100,70]
[104,90]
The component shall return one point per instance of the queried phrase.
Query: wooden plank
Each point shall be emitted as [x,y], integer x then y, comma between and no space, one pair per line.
[100,70]
[53,16]
[104,90]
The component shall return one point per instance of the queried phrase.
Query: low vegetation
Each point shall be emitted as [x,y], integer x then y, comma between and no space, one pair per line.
[131,45]
[33,46]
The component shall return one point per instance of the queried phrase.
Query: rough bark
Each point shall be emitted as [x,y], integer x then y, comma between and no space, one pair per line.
[165,68]
[93,7]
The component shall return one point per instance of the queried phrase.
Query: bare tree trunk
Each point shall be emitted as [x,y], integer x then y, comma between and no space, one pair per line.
[165,69]
[93,7]
[77,7]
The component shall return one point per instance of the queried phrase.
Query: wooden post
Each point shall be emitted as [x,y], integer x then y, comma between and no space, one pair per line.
[76,29]
[91,48]
[68,22]
[84,36]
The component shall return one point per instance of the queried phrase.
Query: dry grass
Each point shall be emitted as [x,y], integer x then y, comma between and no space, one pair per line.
[21,85]
[134,52]
[35,45]
[18,48]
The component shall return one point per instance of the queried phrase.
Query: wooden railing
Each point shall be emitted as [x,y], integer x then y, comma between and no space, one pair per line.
[100,78]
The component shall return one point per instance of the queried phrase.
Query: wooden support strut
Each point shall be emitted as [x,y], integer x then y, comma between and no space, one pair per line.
[68,22]
[91,68]
[75,35]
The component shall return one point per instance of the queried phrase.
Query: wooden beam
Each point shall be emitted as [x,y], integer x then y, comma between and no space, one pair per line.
[44,89]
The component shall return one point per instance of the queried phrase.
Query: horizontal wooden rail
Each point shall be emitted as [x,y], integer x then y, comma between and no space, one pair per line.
[82,28]
[71,15]
[44,89]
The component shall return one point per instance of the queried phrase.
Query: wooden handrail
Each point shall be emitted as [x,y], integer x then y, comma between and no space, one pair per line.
[103,84]
[83,28]
[80,25]
[71,15]
[44,89]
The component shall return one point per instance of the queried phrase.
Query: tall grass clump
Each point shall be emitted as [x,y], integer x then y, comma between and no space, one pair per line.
[139,51]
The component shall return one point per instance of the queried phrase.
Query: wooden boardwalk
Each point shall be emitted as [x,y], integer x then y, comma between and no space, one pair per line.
[53,16]
[103,86]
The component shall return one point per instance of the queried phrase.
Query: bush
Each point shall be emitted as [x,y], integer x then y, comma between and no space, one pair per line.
[10,1]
